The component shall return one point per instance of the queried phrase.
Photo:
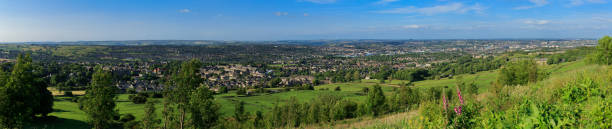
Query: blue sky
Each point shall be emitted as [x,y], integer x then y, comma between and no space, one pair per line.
[72,20]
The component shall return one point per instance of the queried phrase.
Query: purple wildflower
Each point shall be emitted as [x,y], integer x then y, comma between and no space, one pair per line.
[459,95]
[445,104]
[458,110]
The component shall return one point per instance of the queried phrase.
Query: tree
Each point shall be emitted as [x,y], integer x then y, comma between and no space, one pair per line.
[239,113]
[99,100]
[241,91]
[603,54]
[376,100]
[223,89]
[520,73]
[365,90]
[356,76]
[274,82]
[185,82]
[22,95]
[258,121]
[316,82]
[139,98]
[168,113]
[149,120]
[204,110]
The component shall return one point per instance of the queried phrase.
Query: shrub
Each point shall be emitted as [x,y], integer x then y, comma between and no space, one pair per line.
[131,91]
[365,90]
[376,101]
[603,55]
[306,87]
[127,117]
[223,89]
[579,90]
[600,115]
[241,91]
[75,99]
[520,73]
[138,98]
[261,90]
[157,95]
[344,109]
[68,93]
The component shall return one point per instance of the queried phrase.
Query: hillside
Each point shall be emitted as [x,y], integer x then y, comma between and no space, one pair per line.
[574,95]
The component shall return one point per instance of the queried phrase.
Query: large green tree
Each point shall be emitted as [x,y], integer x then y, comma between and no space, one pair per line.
[520,73]
[150,121]
[239,113]
[99,100]
[22,95]
[603,55]
[204,109]
[185,81]
[376,100]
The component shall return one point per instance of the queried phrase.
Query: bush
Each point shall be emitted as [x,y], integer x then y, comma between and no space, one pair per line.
[68,93]
[223,89]
[131,125]
[75,99]
[241,91]
[376,101]
[127,117]
[131,91]
[157,95]
[579,90]
[306,87]
[138,98]
[520,73]
[603,55]
[365,90]
[261,90]
[344,109]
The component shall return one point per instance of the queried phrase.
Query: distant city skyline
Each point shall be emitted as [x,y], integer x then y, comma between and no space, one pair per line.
[261,20]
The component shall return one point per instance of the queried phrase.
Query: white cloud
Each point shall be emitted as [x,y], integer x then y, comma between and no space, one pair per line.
[385,1]
[580,2]
[448,8]
[281,13]
[536,22]
[412,26]
[536,3]
[184,11]
[320,1]
[602,19]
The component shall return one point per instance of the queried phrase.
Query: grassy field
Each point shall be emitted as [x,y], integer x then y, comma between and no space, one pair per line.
[71,117]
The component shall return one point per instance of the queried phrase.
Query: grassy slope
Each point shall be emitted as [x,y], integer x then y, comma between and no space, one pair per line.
[559,73]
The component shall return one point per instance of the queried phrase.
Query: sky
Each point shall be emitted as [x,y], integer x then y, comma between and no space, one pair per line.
[88,20]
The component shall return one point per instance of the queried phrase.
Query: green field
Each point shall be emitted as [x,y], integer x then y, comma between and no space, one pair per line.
[71,117]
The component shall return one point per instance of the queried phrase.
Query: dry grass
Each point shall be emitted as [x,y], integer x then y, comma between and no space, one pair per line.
[56,92]
[367,122]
